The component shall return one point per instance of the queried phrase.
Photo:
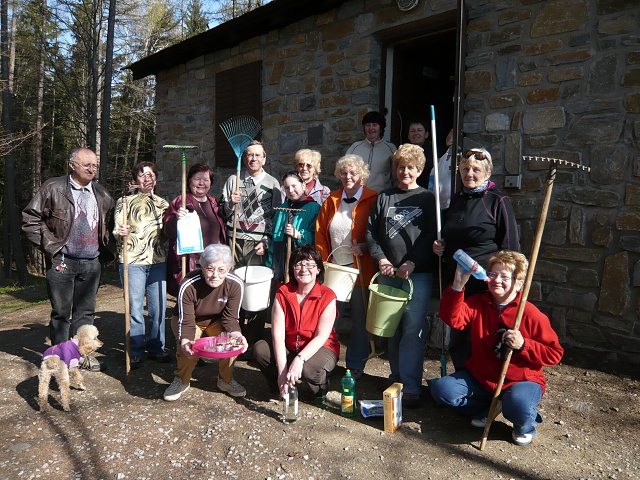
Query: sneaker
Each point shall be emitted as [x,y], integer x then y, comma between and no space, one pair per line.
[175,390]
[233,388]
[482,422]
[91,363]
[162,357]
[410,400]
[522,439]
[135,362]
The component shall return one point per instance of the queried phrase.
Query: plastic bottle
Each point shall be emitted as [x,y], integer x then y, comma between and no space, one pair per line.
[469,263]
[348,400]
[290,413]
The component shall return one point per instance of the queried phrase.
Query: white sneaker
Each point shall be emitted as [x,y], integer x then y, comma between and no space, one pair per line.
[233,388]
[175,390]
[521,439]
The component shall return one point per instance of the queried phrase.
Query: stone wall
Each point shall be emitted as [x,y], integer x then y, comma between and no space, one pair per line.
[553,78]
[560,79]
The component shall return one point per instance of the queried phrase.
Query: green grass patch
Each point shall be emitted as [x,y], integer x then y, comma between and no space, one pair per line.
[13,297]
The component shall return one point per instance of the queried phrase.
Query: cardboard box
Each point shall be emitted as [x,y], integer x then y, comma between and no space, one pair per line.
[371,408]
[392,399]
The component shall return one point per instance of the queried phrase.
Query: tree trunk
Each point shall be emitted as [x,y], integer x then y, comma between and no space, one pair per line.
[38,258]
[11,244]
[106,102]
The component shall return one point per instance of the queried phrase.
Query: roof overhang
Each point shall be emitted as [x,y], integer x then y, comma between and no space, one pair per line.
[272,16]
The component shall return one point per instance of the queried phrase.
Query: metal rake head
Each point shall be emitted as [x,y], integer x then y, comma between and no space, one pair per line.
[557,161]
[239,132]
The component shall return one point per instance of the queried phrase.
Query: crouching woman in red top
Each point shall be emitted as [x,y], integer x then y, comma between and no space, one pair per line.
[304,346]
[490,317]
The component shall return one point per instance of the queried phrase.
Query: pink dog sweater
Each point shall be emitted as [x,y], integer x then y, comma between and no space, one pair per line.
[67,351]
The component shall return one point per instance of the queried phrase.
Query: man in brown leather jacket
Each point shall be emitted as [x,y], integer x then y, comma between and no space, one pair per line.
[68,219]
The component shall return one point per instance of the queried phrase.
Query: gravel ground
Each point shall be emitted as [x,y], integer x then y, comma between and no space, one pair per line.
[120,430]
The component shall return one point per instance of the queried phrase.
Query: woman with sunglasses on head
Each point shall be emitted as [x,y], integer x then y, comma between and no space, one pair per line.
[307,163]
[490,318]
[480,220]
[302,228]
[304,346]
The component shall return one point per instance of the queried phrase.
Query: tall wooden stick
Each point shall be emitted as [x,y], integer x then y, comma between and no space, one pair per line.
[125,281]
[183,203]
[235,217]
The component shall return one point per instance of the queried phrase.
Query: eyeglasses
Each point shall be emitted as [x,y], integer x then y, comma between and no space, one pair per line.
[308,166]
[351,174]
[477,154]
[219,270]
[90,166]
[254,155]
[504,278]
[307,265]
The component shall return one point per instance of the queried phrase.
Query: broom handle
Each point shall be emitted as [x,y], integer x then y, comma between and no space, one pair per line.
[125,281]
[235,220]
[286,268]
[523,300]
[184,204]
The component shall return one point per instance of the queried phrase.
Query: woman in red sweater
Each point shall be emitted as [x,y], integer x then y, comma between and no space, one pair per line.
[490,318]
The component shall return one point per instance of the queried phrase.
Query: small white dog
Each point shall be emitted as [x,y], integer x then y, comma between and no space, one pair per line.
[61,361]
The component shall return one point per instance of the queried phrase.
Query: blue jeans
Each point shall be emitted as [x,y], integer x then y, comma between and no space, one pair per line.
[148,281]
[463,392]
[72,292]
[358,346]
[406,347]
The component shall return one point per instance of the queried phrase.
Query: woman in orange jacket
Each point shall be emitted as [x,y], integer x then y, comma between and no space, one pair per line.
[342,222]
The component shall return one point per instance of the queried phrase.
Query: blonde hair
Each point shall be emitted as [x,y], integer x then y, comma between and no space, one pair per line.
[480,155]
[408,154]
[354,161]
[516,262]
[312,156]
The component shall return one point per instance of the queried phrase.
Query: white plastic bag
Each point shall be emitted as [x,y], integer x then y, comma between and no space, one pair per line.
[189,234]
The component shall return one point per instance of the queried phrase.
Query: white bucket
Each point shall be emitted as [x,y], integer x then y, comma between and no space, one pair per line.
[257,287]
[340,279]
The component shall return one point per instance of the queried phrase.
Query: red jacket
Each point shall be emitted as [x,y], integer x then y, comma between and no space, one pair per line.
[358,229]
[300,326]
[481,315]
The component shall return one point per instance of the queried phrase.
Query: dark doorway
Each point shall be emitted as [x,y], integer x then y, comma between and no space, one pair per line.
[423,75]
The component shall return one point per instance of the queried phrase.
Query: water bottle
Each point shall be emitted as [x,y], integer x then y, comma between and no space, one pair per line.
[469,263]
[348,398]
[290,414]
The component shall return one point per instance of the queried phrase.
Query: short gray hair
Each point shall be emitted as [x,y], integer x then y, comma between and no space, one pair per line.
[355,161]
[215,253]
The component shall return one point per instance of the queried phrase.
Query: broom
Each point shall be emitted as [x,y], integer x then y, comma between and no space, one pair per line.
[239,131]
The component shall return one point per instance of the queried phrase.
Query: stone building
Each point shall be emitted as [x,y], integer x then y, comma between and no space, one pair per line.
[555,78]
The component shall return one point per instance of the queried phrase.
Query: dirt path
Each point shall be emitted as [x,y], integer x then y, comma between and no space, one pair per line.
[118,430]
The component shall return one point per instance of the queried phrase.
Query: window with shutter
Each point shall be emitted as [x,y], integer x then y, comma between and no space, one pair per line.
[238,92]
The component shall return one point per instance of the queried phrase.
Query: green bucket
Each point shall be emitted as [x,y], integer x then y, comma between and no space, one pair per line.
[386,305]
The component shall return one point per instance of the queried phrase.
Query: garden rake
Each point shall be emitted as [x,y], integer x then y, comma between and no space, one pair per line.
[184,187]
[553,166]
[240,131]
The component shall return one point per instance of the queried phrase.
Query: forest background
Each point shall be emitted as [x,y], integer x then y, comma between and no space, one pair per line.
[65,85]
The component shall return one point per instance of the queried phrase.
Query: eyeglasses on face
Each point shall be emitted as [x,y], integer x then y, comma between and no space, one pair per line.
[307,265]
[346,174]
[89,166]
[477,154]
[254,155]
[503,277]
[308,166]
[219,270]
